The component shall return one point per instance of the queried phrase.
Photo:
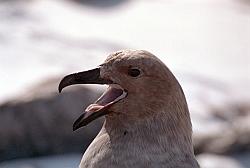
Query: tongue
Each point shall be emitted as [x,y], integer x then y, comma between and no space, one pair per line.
[107,97]
[93,108]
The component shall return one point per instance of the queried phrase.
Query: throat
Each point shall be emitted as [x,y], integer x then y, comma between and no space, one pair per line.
[152,135]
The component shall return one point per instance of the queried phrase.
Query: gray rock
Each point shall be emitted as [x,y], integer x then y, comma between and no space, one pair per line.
[40,122]
[220,116]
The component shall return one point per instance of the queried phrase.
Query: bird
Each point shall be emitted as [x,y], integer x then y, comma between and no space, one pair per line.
[147,120]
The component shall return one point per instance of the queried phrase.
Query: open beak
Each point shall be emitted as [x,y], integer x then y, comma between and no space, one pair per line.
[113,94]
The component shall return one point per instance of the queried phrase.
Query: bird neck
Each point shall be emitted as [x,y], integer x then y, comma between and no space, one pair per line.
[167,135]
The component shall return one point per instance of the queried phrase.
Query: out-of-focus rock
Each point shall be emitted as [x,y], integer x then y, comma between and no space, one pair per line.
[220,115]
[40,122]
[231,137]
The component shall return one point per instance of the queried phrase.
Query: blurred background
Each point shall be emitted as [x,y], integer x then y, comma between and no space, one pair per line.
[205,43]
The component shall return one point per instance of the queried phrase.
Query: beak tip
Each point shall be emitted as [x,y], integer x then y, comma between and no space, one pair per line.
[75,127]
[59,89]
[63,83]
[66,81]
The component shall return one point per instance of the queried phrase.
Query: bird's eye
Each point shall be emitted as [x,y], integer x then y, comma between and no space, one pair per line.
[134,72]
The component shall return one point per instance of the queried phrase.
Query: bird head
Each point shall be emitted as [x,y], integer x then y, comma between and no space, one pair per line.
[139,85]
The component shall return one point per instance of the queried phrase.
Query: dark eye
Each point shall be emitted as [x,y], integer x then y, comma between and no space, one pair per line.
[134,72]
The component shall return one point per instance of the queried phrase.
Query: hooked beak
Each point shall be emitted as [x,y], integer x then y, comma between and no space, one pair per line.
[85,77]
[101,107]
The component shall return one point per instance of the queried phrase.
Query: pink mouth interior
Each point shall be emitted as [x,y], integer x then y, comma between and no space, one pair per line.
[109,96]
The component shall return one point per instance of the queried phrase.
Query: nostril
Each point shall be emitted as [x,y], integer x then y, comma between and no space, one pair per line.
[125,132]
